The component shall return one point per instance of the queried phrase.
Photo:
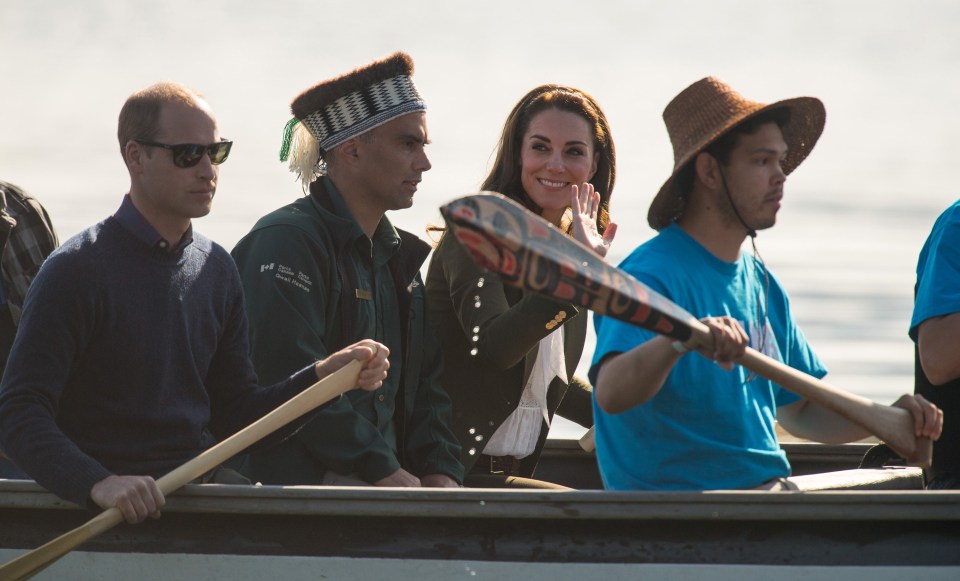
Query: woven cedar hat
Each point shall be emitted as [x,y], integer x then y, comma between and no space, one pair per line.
[708,109]
[344,107]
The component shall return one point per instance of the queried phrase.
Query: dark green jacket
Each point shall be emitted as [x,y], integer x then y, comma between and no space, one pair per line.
[490,335]
[300,279]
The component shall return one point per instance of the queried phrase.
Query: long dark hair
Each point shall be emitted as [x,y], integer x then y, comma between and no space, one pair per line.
[505,175]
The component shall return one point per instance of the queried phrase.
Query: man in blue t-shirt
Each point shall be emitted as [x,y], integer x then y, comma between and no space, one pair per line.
[935,328]
[667,420]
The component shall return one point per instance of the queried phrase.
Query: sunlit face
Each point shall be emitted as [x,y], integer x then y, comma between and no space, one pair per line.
[165,193]
[393,159]
[755,177]
[556,153]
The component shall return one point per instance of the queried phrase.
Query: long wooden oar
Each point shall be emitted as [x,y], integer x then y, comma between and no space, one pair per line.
[336,383]
[528,252]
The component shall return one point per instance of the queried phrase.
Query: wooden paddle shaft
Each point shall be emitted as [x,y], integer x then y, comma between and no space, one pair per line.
[344,379]
[891,424]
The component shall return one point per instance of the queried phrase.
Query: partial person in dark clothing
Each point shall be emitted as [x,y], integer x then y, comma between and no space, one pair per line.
[132,355]
[330,268]
[27,237]
[510,354]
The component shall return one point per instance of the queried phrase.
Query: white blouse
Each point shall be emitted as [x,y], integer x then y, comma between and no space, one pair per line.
[517,436]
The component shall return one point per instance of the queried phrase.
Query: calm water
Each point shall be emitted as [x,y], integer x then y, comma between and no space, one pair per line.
[855,215]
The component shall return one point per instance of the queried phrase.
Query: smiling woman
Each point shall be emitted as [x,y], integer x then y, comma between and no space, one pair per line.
[510,356]
[556,153]
[560,113]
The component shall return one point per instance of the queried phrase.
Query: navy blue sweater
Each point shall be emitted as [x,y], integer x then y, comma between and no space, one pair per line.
[129,360]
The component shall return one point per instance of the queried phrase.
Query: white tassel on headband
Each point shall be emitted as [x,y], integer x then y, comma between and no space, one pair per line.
[303,152]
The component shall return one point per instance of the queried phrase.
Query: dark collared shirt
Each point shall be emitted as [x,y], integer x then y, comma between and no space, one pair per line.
[302,269]
[378,315]
[130,217]
[130,361]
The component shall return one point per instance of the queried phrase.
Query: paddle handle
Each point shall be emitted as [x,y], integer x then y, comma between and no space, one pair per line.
[342,380]
[891,424]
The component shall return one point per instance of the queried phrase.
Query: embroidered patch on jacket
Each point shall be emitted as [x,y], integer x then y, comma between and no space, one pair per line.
[286,274]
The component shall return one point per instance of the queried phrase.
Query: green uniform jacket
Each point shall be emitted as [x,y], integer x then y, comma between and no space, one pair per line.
[490,336]
[300,285]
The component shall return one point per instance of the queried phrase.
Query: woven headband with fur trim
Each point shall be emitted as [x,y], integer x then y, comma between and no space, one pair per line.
[339,109]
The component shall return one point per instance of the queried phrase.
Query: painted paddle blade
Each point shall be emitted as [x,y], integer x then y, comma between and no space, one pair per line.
[528,252]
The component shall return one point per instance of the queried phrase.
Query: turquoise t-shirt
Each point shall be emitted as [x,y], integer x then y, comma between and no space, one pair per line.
[706,429]
[938,271]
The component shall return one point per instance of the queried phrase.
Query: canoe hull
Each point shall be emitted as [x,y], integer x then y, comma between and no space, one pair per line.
[243,532]
[487,530]
[86,566]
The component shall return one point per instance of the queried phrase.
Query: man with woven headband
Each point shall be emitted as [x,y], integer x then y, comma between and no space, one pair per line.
[329,269]
[670,420]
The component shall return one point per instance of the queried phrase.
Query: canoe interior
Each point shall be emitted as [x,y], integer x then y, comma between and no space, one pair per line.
[564,462]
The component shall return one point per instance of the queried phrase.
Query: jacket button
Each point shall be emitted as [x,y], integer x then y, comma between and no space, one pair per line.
[381,397]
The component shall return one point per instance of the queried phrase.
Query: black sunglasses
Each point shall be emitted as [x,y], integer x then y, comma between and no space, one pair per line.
[190,154]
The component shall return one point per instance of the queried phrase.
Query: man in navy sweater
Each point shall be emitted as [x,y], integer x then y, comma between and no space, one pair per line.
[132,355]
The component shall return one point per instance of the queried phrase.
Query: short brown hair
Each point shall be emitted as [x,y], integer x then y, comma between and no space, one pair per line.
[140,115]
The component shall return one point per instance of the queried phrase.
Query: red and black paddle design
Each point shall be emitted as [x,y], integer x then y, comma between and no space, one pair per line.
[529,252]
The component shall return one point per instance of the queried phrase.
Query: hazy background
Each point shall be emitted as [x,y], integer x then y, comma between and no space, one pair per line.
[855,213]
